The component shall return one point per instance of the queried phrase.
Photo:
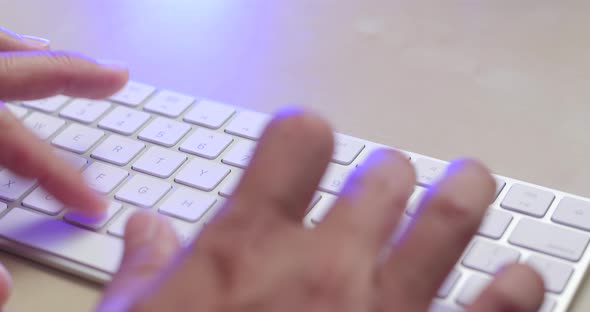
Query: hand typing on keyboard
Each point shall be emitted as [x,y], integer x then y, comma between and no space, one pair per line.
[32,73]
[256,256]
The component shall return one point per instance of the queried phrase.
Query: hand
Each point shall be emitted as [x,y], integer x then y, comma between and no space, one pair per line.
[256,256]
[28,70]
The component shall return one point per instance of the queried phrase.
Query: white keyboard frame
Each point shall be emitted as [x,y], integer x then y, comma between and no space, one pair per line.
[563,300]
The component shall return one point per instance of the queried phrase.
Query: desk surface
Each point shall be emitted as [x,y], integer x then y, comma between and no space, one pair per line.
[504,81]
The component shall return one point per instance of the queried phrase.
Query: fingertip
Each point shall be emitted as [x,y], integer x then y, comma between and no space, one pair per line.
[141,228]
[146,228]
[113,77]
[475,170]
[98,203]
[89,203]
[525,283]
[467,186]
[517,287]
[150,246]
[295,124]
[112,64]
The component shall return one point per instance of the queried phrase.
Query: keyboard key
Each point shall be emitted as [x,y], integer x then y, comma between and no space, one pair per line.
[314,200]
[3,207]
[185,231]
[93,223]
[499,186]
[159,162]
[168,103]
[230,184]
[103,178]
[548,305]
[346,149]
[321,209]
[573,212]
[75,161]
[66,241]
[549,239]
[429,171]
[209,114]
[489,257]
[402,227]
[415,199]
[164,131]
[42,201]
[133,94]
[187,204]
[43,125]
[448,284]
[528,200]
[47,105]
[202,174]
[17,111]
[334,179]
[124,120]
[77,138]
[555,274]
[118,150]
[240,154]
[206,143]
[248,124]
[471,289]
[442,307]
[117,227]
[143,191]
[495,223]
[85,110]
[12,186]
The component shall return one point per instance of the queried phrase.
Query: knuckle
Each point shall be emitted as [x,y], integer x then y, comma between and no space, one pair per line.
[64,64]
[8,63]
[61,58]
[332,275]
[228,257]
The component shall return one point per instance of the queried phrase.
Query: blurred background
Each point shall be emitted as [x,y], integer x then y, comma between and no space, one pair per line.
[501,80]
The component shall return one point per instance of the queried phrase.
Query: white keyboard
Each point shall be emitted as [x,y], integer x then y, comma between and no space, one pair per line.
[182,156]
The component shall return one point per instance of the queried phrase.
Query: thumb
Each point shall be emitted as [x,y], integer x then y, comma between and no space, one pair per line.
[150,246]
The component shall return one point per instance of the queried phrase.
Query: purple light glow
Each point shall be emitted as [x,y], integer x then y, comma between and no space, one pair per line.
[209,48]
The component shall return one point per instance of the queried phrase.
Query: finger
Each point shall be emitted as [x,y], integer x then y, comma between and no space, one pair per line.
[38,74]
[371,203]
[285,170]
[448,217]
[26,155]
[5,285]
[150,247]
[10,41]
[518,288]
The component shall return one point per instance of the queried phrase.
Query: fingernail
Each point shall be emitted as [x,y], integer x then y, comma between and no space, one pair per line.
[36,41]
[112,64]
